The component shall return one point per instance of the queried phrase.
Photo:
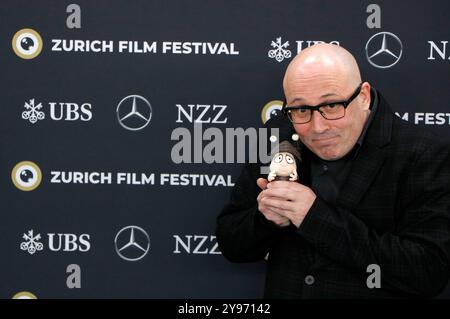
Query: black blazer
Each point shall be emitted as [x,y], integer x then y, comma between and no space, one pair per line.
[393,210]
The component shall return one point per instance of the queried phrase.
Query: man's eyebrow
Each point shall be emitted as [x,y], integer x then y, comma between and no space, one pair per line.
[329,94]
[299,99]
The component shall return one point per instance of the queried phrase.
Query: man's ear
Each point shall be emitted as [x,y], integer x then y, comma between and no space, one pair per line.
[365,95]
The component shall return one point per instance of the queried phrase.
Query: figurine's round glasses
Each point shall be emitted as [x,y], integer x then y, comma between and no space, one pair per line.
[329,110]
[279,158]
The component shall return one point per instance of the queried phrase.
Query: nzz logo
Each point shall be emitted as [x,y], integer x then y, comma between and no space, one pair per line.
[196,244]
[56,242]
[202,113]
[62,111]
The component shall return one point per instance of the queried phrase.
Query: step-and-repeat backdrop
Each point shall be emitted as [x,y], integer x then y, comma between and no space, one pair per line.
[117,117]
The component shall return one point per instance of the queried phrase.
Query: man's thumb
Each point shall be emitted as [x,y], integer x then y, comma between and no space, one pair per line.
[262,183]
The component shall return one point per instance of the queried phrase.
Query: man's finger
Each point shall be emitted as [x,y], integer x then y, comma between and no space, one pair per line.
[275,217]
[281,193]
[278,184]
[262,183]
[277,205]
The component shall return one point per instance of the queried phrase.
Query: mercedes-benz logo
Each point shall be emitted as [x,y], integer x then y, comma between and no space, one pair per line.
[134,112]
[384,50]
[132,243]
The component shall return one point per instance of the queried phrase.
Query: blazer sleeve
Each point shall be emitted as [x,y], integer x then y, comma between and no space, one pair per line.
[242,231]
[414,258]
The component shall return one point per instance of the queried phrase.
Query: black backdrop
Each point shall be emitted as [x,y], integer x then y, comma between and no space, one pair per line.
[80,223]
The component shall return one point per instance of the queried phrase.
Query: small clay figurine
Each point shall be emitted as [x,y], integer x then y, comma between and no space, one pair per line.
[283,166]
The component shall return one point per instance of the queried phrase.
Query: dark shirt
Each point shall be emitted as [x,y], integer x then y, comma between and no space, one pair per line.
[327,177]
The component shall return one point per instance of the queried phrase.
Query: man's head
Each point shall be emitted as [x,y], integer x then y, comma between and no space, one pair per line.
[327,73]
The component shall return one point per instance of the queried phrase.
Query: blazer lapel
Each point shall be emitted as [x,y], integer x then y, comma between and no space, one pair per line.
[371,156]
[365,168]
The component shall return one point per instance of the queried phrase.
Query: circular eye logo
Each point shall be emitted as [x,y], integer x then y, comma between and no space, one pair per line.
[27,43]
[24,295]
[271,109]
[26,176]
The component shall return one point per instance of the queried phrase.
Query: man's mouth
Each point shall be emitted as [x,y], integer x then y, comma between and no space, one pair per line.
[322,140]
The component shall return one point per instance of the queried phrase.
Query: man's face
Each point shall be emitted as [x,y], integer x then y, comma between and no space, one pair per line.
[329,139]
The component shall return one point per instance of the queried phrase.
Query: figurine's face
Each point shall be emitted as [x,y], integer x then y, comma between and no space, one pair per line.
[283,164]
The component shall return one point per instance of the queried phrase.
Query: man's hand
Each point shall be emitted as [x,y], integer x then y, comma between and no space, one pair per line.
[268,213]
[286,200]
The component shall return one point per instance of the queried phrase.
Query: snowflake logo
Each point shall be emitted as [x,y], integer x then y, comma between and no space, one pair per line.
[33,113]
[279,51]
[32,243]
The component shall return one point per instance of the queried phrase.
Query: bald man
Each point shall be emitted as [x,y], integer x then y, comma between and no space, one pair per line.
[369,217]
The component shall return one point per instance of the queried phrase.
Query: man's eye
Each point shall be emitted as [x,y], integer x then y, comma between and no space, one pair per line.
[289,159]
[331,107]
[299,110]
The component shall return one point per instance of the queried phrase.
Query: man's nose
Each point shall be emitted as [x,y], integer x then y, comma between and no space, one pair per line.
[318,122]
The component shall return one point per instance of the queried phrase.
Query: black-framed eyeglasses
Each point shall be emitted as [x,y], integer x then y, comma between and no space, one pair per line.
[329,110]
